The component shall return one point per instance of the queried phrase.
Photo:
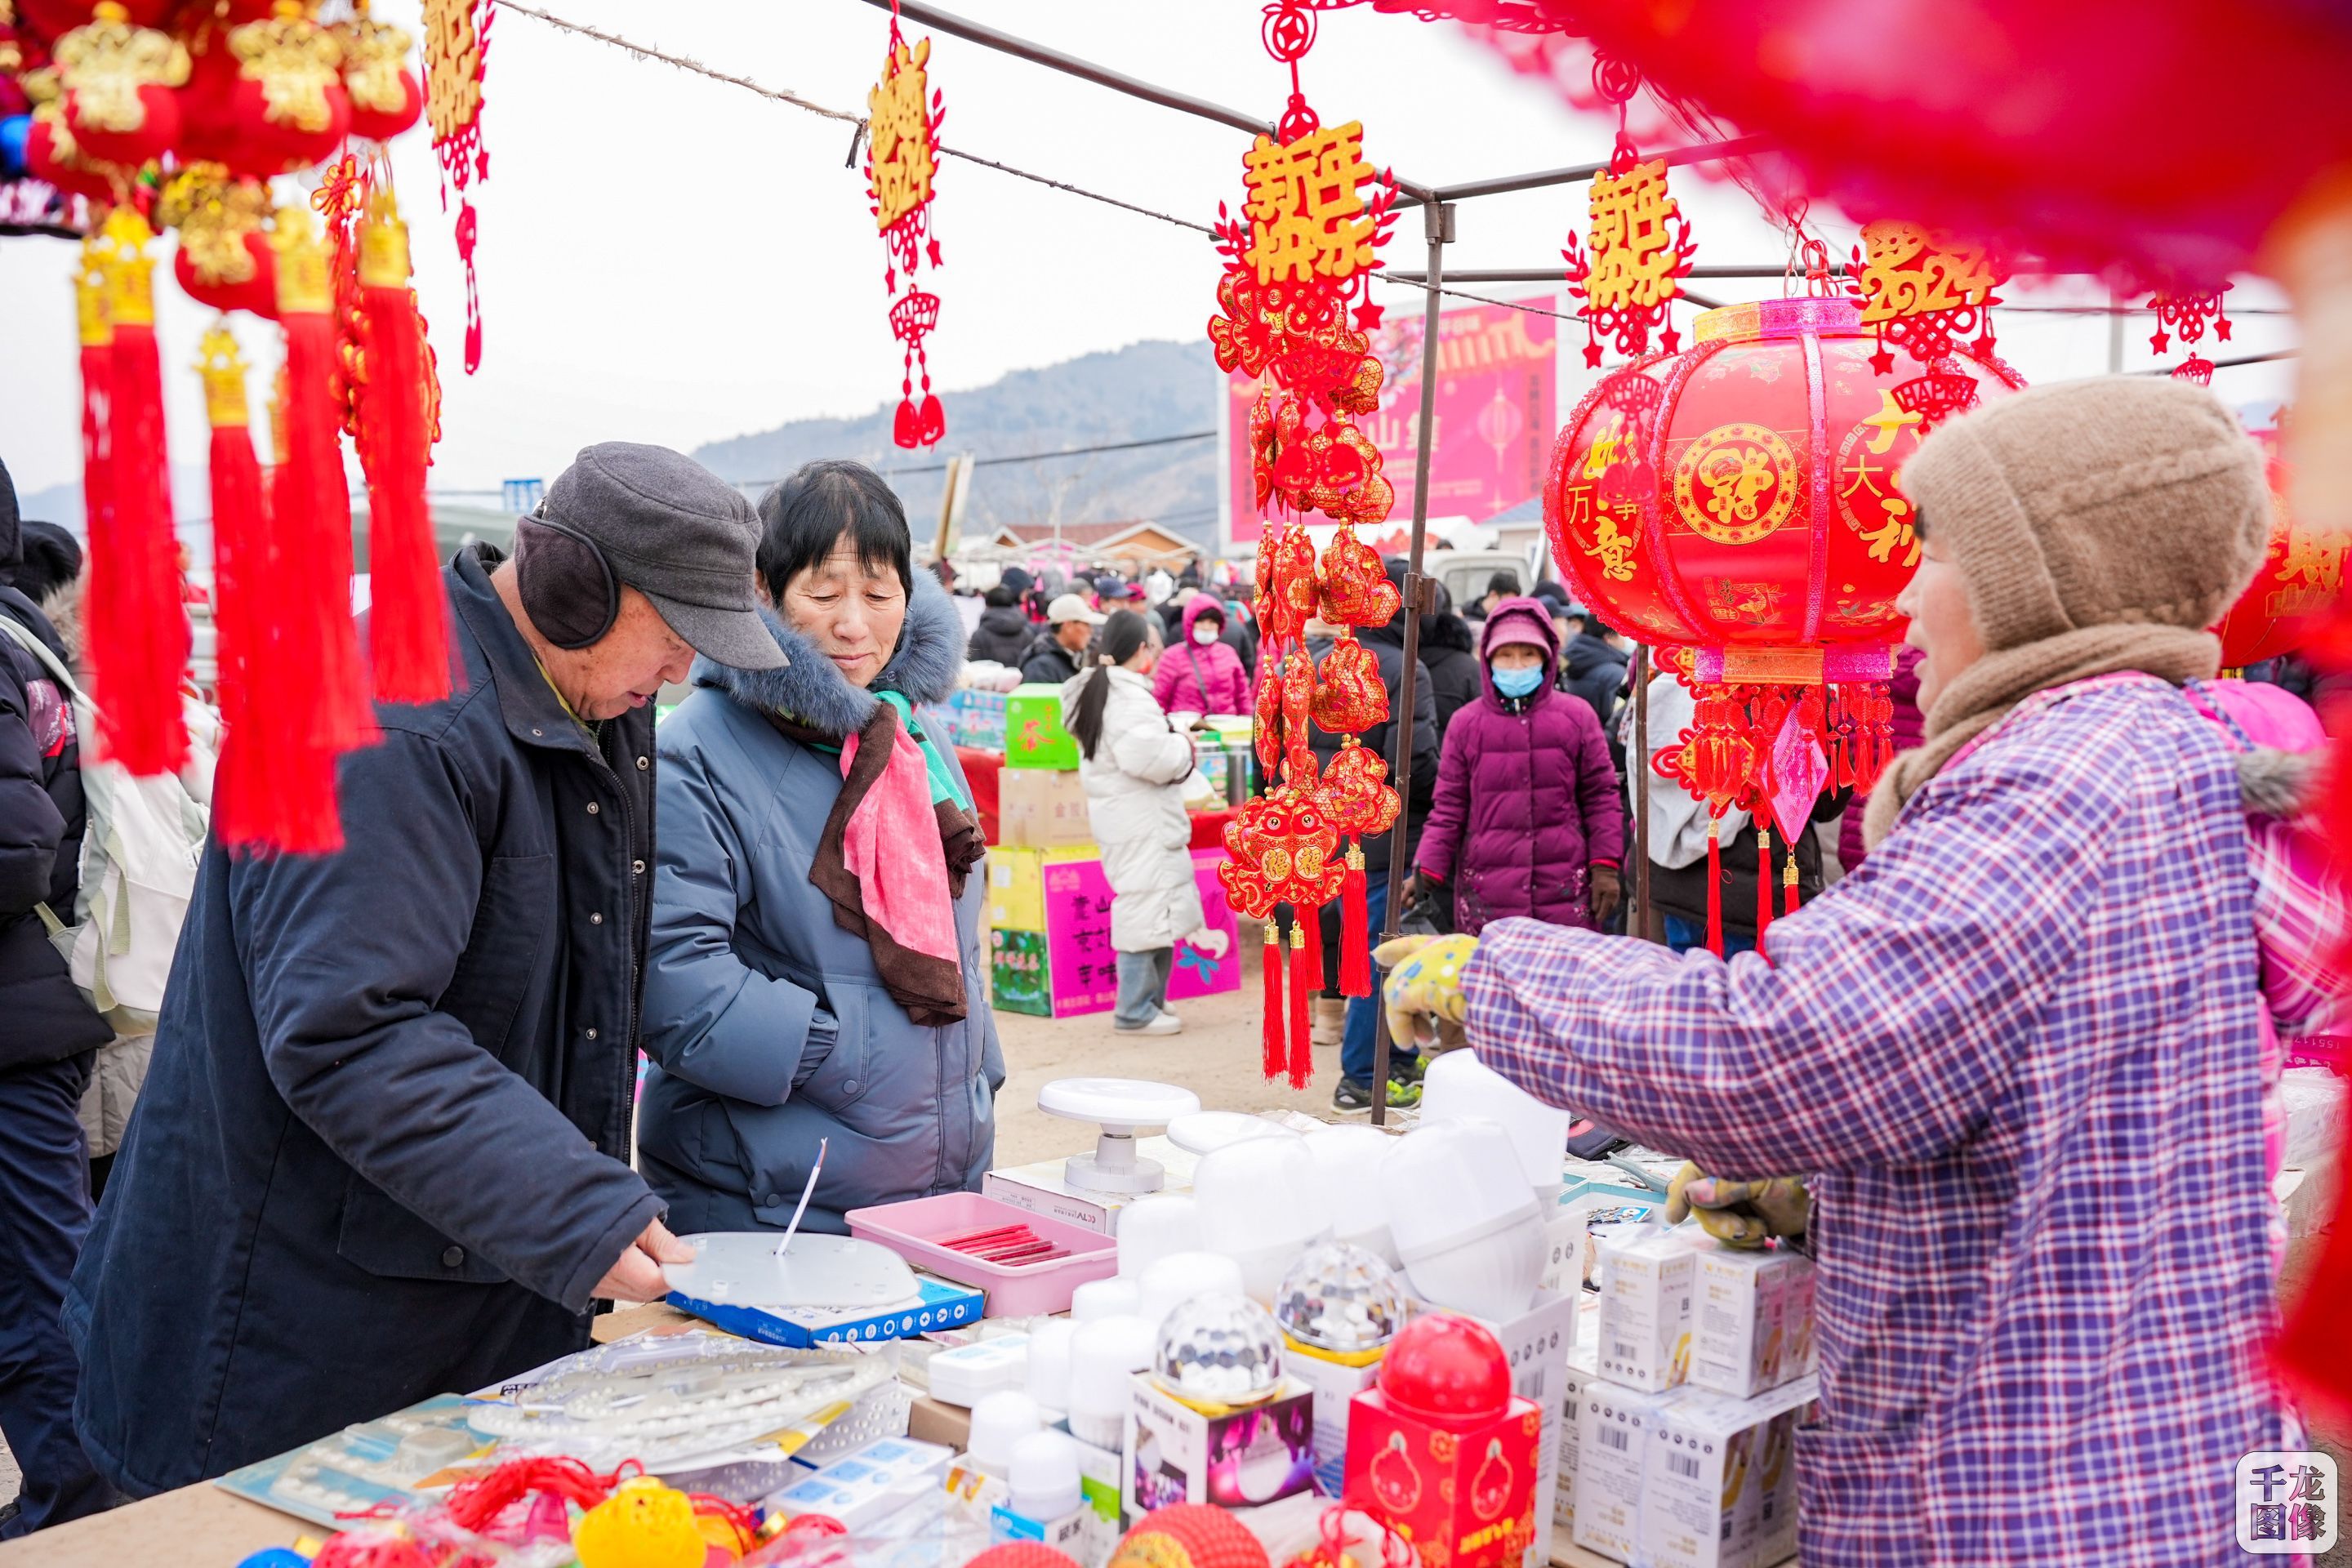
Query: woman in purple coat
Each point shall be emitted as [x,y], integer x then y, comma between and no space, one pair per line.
[1526,820]
[1205,675]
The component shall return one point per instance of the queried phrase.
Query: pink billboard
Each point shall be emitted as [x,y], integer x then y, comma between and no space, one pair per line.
[1494,415]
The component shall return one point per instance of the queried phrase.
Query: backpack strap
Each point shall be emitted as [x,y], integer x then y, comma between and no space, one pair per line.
[23,636]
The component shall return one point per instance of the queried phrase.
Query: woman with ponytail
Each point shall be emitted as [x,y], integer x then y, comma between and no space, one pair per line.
[1134,767]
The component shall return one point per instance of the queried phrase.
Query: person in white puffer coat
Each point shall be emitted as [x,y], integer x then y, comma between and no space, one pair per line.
[1134,767]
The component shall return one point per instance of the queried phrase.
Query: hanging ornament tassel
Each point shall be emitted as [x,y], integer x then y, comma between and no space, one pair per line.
[1715,886]
[1306,979]
[1763,881]
[1355,930]
[134,576]
[240,567]
[1272,1054]
[96,424]
[1309,932]
[1789,886]
[408,615]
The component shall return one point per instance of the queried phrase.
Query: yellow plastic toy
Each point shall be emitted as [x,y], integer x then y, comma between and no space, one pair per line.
[644,1524]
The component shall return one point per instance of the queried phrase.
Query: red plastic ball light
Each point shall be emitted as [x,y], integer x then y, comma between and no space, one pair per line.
[1448,1369]
[1190,1535]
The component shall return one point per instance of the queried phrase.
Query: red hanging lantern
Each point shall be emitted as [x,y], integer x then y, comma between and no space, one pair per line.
[289,95]
[118,78]
[385,97]
[52,154]
[904,115]
[2284,608]
[1740,501]
[224,258]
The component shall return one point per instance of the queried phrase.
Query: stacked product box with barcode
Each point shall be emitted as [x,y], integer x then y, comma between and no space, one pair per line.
[1752,1313]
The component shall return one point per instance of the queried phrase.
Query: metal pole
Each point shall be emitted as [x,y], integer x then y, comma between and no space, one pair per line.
[2115,337]
[1438,223]
[1637,789]
[1703,152]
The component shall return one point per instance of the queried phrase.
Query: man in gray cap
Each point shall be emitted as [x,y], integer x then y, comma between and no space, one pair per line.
[383,1150]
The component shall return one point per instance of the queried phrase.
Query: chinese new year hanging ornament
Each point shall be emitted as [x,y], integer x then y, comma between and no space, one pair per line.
[904,114]
[456,38]
[2190,313]
[1920,289]
[1629,269]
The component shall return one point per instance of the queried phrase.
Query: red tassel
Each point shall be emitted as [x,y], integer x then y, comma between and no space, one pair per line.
[1355,930]
[1308,928]
[1306,979]
[97,427]
[1763,881]
[240,571]
[1272,1054]
[408,615]
[134,577]
[1715,886]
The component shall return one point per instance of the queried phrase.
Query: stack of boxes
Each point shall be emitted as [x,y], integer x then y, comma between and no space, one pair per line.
[1685,1391]
[970,718]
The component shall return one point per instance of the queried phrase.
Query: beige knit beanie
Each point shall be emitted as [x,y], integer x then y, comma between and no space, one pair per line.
[2100,526]
[2123,499]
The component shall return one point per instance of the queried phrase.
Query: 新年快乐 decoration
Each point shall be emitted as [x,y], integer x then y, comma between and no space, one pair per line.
[904,115]
[1296,309]
[2286,607]
[456,38]
[1737,504]
[1629,269]
[1920,289]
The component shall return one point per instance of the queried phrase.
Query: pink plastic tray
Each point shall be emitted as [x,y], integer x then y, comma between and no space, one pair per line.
[913,1230]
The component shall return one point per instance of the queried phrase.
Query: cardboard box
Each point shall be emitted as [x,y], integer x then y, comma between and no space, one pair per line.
[1464,1493]
[1039,808]
[1102,1475]
[1043,1188]
[1707,1474]
[944,1305]
[871,1484]
[1611,1443]
[1583,1359]
[1647,1279]
[1538,1343]
[1050,949]
[1333,1384]
[1747,1318]
[1034,736]
[1235,1458]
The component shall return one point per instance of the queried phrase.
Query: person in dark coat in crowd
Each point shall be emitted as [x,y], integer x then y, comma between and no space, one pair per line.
[1909,729]
[1055,651]
[1004,633]
[1354,1092]
[46,1048]
[383,1151]
[1502,585]
[1593,666]
[1526,818]
[1450,649]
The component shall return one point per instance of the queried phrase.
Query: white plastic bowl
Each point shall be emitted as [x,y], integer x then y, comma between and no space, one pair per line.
[1348,1161]
[1450,1183]
[1459,1086]
[1150,1228]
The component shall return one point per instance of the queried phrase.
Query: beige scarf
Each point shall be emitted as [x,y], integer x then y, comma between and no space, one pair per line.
[1985,692]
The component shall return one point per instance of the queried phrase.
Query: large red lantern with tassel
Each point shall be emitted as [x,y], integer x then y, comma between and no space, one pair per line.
[1738,501]
[118,78]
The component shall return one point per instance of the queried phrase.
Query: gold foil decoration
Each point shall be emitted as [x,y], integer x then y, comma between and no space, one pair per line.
[295,60]
[89,295]
[453,67]
[303,283]
[383,243]
[105,62]
[222,368]
[128,270]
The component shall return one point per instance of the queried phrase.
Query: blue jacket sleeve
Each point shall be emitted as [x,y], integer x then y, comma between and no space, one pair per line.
[1883,1029]
[346,955]
[711,1018]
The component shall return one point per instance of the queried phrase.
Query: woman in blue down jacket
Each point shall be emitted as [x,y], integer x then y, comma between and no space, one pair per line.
[816,968]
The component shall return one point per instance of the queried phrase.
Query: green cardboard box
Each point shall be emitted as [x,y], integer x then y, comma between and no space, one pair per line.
[1017,979]
[1034,736]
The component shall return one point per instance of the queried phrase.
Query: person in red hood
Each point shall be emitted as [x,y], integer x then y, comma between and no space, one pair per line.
[1204,675]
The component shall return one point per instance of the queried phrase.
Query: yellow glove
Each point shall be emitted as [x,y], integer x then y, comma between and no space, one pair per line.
[1740,1213]
[1424,989]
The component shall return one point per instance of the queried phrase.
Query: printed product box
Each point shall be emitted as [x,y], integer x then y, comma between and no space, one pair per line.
[1039,808]
[977,718]
[1334,1383]
[1050,943]
[1464,1493]
[871,1484]
[1707,1472]
[1749,1313]
[1043,1188]
[1583,1359]
[1647,1279]
[1101,1474]
[944,1305]
[1034,736]
[1611,1443]
[1538,1343]
[1237,1459]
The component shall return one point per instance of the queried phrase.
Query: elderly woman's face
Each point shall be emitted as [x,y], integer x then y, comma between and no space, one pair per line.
[1943,624]
[850,610]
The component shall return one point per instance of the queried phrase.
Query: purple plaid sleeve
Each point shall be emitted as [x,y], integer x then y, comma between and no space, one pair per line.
[2018,1052]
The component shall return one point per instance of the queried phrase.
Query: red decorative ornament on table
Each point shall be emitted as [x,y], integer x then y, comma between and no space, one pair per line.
[1738,500]
[1628,270]
[904,115]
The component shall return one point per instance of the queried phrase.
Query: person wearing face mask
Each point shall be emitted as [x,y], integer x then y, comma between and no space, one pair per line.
[818,971]
[1133,765]
[1204,675]
[383,1150]
[1525,819]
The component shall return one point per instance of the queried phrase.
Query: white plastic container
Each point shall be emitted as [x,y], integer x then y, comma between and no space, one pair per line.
[1049,1364]
[1348,1161]
[1150,1228]
[999,1423]
[1262,1203]
[1459,1086]
[1104,1356]
[1114,1298]
[1181,1276]
[1465,1220]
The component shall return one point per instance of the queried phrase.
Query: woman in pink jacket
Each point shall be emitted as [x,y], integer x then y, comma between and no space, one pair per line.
[1203,676]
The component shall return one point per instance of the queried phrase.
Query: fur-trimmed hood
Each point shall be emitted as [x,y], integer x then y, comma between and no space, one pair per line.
[925,668]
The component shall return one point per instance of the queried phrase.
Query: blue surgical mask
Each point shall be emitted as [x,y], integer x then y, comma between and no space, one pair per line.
[1521,682]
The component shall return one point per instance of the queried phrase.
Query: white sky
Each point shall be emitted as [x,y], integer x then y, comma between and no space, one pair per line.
[667,258]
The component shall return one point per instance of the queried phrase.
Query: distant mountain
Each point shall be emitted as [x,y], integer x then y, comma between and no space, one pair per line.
[1142,392]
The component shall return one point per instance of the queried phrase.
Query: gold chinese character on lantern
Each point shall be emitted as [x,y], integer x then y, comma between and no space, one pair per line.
[1307,212]
[1632,241]
[898,111]
[453,67]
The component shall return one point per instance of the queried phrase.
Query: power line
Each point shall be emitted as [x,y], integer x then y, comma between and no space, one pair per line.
[1025,457]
